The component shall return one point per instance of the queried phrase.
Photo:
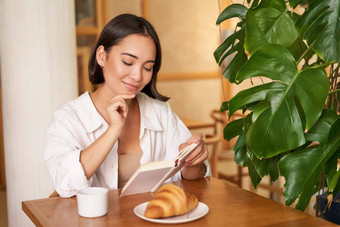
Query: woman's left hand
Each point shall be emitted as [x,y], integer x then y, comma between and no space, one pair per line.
[193,165]
[199,155]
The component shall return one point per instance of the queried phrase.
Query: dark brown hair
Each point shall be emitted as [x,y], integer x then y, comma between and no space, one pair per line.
[116,30]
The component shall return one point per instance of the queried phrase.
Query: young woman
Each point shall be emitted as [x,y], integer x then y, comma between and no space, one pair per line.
[101,138]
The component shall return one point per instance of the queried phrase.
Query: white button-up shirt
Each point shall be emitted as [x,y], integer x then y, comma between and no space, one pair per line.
[77,124]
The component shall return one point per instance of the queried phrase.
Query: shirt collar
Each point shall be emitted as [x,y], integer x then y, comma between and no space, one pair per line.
[88,113]
[149,118]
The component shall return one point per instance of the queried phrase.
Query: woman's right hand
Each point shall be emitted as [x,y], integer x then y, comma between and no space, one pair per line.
[117,110]
[94,155]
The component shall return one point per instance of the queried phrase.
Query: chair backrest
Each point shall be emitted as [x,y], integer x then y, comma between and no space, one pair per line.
[221,120]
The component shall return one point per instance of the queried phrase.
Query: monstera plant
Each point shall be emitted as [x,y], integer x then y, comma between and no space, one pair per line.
[291,126]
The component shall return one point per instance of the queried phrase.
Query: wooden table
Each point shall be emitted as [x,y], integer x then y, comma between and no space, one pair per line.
[228,206]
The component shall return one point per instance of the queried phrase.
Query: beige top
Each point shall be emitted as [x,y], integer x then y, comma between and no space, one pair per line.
[127,165]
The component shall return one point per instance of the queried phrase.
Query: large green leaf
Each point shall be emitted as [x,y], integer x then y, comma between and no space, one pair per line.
[279,128]
[269,23]
[260,107]
[321,24]
[302,169]
[273,61]
[253,173]
[227,43]
[240,149]
[224,106]
[334,180]
[257,168]
[331,169]
[254,95]
[266,167]
[234,10]
[332,163]
[234,66]
[337,187]
[319,131]
[234,43]
[233,129]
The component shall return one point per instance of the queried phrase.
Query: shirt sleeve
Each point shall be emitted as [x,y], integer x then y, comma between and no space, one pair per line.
[62,153]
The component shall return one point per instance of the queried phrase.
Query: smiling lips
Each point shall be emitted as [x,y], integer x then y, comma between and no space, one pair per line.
[131,86]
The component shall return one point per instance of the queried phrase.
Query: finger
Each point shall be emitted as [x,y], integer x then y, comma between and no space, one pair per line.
[118,107]
[193,139]
[195,152]
[202,156]
[125,111]
[118,104]
[123,108]
[199,160]
[192,160]
[124,97]
[199,155]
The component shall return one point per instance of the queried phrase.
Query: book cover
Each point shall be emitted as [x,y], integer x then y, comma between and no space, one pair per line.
[150,176]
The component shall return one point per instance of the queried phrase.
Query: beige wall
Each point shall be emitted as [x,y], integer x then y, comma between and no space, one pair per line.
[193,99]
[188,34]
[189,37]
[116,7]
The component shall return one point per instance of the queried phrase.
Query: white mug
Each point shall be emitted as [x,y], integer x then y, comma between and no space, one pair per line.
[92,202]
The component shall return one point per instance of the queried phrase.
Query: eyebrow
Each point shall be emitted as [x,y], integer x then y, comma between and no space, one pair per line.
[134,56]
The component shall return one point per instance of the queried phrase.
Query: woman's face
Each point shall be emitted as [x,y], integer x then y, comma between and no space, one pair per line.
[128,66]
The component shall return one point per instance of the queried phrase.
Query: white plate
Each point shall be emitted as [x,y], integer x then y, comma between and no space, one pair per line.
[201,210]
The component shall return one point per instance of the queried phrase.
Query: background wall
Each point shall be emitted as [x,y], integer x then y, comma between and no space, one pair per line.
[188,34]
[189,38]
[116,7]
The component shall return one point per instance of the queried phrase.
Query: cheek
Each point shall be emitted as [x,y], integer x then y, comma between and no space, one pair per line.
[147,78]
[118,71]
[115,70]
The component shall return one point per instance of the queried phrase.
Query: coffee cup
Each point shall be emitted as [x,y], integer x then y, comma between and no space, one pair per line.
[92,202]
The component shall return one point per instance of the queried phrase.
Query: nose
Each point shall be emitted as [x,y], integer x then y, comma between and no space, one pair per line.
[137,74]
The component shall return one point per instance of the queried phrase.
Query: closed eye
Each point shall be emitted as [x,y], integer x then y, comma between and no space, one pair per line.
[147,69]
[126,63]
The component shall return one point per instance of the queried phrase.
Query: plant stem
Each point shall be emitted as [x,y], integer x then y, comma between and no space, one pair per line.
[335,71]
[319,66]
[305,53]
[335,91]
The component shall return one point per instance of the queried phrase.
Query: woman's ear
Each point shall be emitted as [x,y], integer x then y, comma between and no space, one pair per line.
[101,55]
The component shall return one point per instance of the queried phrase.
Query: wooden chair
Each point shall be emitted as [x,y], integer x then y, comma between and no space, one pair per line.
[213,141]
[223,151]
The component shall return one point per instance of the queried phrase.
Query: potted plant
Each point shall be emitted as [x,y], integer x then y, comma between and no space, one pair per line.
[291,125]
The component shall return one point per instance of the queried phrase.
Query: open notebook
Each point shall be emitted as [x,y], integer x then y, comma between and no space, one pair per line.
[150,176]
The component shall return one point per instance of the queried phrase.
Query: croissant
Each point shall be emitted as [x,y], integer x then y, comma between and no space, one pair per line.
[170,200]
